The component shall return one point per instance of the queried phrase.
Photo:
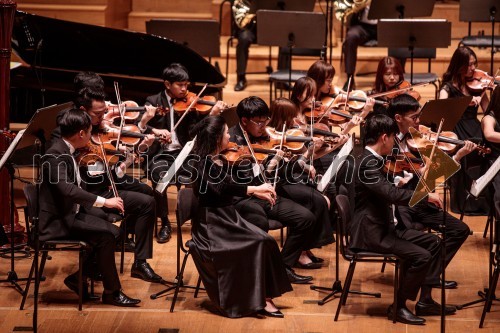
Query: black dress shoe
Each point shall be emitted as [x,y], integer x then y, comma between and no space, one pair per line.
[296,278]
[71,281]
[240,85]
[314,258]
[405,316]
[275,314]
[311,265]
[434,309]
[145,272]
[118,298]
[165,234]
[447,285]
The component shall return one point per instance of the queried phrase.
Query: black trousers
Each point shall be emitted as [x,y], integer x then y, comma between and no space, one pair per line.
[298,219]
[103,249]
[357,34]
[419,252]
[456,230]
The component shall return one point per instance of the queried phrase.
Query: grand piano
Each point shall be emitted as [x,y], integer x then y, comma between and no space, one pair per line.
[53,51]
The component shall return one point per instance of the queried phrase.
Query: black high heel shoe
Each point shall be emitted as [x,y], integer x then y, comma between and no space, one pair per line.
[275,314]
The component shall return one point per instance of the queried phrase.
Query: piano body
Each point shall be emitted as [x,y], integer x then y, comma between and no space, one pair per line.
[55,50]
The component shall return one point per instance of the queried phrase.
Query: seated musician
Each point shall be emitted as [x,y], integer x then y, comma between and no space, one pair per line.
[372,227]
[137,197]
[240,264]
[491,132]
[300,221]
[159,157]
[405,110]
[62,199]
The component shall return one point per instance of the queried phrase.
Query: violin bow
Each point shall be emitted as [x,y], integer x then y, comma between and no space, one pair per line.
[195,100]
[415,171]
[423,84]
[311,131]
[250,148]
[108,171]
[281,148]
[121,108]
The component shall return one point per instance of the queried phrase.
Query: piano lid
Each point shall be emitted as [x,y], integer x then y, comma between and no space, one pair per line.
[50,43]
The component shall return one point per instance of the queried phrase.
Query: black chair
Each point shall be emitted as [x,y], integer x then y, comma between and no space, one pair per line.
[59,245]
[344,212]
[275,225]
[187,204]
[481,40]
[490,295]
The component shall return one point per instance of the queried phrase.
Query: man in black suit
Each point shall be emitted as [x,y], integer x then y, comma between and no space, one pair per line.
[373,229]
[159,157]
[62,198]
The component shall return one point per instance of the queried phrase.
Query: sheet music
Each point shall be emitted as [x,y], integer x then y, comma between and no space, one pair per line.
[163,183]
[479,184]
[336,164]
[11,148]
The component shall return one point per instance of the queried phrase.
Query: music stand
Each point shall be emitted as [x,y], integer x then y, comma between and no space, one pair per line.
[384,9]
[202,36]
[482,11]
[451,109]
[290,29]
[412,33]
[287,5]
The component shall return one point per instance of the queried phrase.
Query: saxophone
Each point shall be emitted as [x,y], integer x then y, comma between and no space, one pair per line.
[241,13]
[344,8]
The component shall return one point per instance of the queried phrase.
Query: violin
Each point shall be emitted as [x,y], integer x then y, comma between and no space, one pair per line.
[447,141]
[480,81]
[132,111]
[319,130]
[235,154]
[403,87]
[327,113]
[130,135]
[293,141]
[398,163]
[357,100]
[91,154]
[203,104]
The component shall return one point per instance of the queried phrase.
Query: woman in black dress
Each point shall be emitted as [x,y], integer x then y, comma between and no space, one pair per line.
[239,264]
[491,131]
[462,65]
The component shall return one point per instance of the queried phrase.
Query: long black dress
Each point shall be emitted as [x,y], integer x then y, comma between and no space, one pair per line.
[468,127]
[240,265]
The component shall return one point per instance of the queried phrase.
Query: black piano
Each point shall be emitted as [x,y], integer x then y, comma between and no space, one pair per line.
[55,50]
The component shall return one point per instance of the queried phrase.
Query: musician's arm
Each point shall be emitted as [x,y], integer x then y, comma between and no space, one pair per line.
[488,127]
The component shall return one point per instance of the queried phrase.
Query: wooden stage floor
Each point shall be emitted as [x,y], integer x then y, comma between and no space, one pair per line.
[58,305]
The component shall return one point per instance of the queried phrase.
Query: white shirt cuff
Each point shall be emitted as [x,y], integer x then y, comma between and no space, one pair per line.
[99,202]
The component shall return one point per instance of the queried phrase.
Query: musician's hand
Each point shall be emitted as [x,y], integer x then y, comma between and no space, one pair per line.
[116,202]
[476,100]
[147,115]
[218,107]
[312,171]
[356,120]
[318,143]
[264,192]
[435,199]
[370,102]
[163,134]
[340,141]
[465,150]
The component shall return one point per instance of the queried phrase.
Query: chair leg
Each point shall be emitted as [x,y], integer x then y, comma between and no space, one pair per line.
[383,266]
[80,279]
[348,283]
[345,291]
[122,252]
[281,237]
[197,287]
[27,288]
[490,295]
[396,290]
[179,283]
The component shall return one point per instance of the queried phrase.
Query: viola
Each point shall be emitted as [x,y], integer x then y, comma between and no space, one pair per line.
[132,111]
[319,130]
[357,100]
[91,154]
[203,104]
[480,81]
[130,135]
[327,113]
[447,141]
[234,153]
[402,162]
[293,141]
[403,87]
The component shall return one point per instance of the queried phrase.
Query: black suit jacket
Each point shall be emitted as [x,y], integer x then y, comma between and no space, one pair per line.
[59,196]
[372,226]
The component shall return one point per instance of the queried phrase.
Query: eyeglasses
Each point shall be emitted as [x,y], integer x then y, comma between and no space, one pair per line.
[261,123]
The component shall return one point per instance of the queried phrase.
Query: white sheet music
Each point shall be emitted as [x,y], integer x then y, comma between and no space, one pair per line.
[483,181]
[11,148]
[336,164]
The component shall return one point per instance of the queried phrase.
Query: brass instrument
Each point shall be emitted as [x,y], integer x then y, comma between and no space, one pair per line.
[344,8]
[241,13]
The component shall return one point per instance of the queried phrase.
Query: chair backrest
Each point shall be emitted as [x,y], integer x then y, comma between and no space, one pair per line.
[187,205]
[344,218]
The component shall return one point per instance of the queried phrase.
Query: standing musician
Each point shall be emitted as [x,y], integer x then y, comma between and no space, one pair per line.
[240,264]
[372,226]
[137,197]
[160,157]
[405,110]
[300,221]
[62,200]
[491,132]
[454,84]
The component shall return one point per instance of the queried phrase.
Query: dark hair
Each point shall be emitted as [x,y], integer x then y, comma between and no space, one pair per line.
[252,106]
[383,65]
[458,66]
[283,111]
[306,84]
[402,104]
[209,132]
[494,106]
[377,125]
[319,72]
[175,73]
[73,121]
[88,80]
[86,96]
